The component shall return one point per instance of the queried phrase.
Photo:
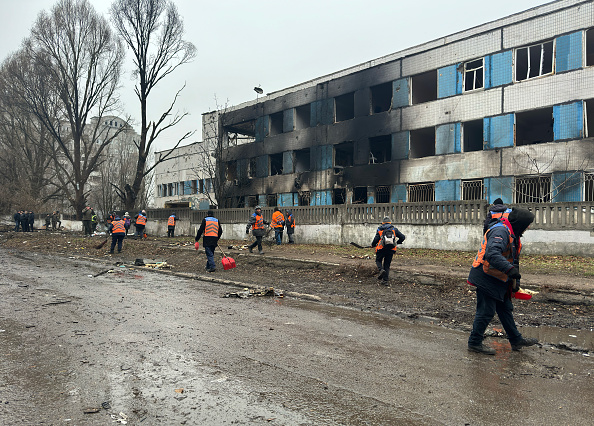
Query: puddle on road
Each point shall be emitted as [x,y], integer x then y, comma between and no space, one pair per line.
[565,338]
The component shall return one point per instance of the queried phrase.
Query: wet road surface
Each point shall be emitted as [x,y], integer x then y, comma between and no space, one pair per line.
[159,349]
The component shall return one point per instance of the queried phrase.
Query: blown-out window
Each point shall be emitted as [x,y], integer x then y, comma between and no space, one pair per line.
[534,61]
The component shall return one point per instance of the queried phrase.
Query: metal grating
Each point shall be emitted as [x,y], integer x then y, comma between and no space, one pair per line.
[382,194]
[536,189]
[472,190]
[421,192]
[589,186]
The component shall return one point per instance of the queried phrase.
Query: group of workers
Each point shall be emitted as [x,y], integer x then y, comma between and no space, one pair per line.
[278,224]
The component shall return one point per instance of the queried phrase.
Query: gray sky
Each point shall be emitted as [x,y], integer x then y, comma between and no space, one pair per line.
[275,44]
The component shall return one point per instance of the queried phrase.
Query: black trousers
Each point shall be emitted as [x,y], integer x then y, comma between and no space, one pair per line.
[383,259]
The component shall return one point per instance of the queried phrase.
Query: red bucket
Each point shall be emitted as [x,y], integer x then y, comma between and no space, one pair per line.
[228,263]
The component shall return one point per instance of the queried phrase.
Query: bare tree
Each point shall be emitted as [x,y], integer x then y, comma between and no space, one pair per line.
[67,75]
[153,30]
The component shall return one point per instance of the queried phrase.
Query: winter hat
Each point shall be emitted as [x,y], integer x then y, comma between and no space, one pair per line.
[520,219]
[117,217]
[126,214]
[210,213]
[498,201]
[386,219]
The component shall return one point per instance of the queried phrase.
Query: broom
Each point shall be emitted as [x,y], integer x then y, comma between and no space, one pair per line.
[98,246]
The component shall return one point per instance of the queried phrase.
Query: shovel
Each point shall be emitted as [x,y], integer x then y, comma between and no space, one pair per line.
[228,262]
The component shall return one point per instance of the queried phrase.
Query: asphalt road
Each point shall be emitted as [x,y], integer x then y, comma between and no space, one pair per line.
[142,347]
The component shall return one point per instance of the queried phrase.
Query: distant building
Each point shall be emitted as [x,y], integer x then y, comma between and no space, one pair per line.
[180,179]
[505,109]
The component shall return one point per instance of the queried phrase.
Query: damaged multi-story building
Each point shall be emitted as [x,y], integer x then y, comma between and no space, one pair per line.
[505,109]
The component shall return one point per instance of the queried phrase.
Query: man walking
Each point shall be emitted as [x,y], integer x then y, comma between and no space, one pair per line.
[385,245]
[290,224]
[495,273]
[171,225]
[87,215]
[140,223]
[212,230]
[118,232]
[278,224]
[257,223]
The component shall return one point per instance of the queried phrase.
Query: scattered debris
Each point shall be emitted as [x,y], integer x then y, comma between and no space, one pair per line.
[123,419]
[102,272]
[57,302]
[158,265]
[180,390]
[106,405]
[91,410]
[238,247]
[249,292]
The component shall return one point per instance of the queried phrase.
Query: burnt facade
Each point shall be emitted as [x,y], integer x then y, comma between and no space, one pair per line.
[505,109]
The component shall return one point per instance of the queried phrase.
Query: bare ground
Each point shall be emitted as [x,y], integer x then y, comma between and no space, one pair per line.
[430,286]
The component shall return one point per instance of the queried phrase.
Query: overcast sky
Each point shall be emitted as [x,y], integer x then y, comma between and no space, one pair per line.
[276,44]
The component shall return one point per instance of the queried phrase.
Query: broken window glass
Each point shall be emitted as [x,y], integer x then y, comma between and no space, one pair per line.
[473,75]
[534,61]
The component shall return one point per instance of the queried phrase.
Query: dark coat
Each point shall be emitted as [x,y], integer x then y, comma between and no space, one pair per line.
[497,244]
[382,228]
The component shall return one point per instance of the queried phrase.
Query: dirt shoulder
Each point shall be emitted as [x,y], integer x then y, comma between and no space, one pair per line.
[426,284]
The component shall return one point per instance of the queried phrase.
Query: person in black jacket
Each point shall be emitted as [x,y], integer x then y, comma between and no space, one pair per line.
[212,230]
[383,250]
[495,273]
[17,221]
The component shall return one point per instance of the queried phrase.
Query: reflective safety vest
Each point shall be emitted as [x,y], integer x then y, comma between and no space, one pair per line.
[141,220]
[379,244]
[499,215]
[277,220]
[118,227]
[259,221]
[212,227]
[170,221]
[508,254]
[290,221]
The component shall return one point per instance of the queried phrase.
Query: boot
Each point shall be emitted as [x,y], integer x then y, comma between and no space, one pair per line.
[524,342]
[481,349]
[251,249]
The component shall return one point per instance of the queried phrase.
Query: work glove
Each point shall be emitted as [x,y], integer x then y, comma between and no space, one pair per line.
[197,245]
[514,274]
[247,232]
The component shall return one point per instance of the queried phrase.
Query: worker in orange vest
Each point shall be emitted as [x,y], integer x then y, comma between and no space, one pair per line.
[278,224]
[257,223]
[117,229]
[212,230]
[171,225]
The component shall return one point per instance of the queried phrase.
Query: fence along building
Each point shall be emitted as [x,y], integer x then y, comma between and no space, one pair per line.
[505,110]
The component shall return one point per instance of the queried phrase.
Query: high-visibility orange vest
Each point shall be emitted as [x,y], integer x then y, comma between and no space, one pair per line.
[118,227]
[212,227]
[141,220]
[290,221]
[259,222]
[499,215]
[277,219]
[508,254]
[171,221]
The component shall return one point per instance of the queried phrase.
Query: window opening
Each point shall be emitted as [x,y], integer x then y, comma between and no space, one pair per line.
[344,154]
[240,202]
[339,196]
[302,159]
[589,186]
[535,126]
[590,47]
[241,133]
[194,185]
[302,117]
[473,75]
[276,164]
[304,198]
[276,124]
[345,107]
[380,149]
[533,189]
[360,195]
[252,200]
[473,135]
[381,98]
[421,192]
[424,87]
[271,200]
[589,108]
[253,168]
[382,194]
[422,142]
[472,189]
[534,61]
[231,171]
[201,186]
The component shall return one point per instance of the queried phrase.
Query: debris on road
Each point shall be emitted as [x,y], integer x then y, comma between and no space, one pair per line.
[91,410]
[155,264]
[256,292]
